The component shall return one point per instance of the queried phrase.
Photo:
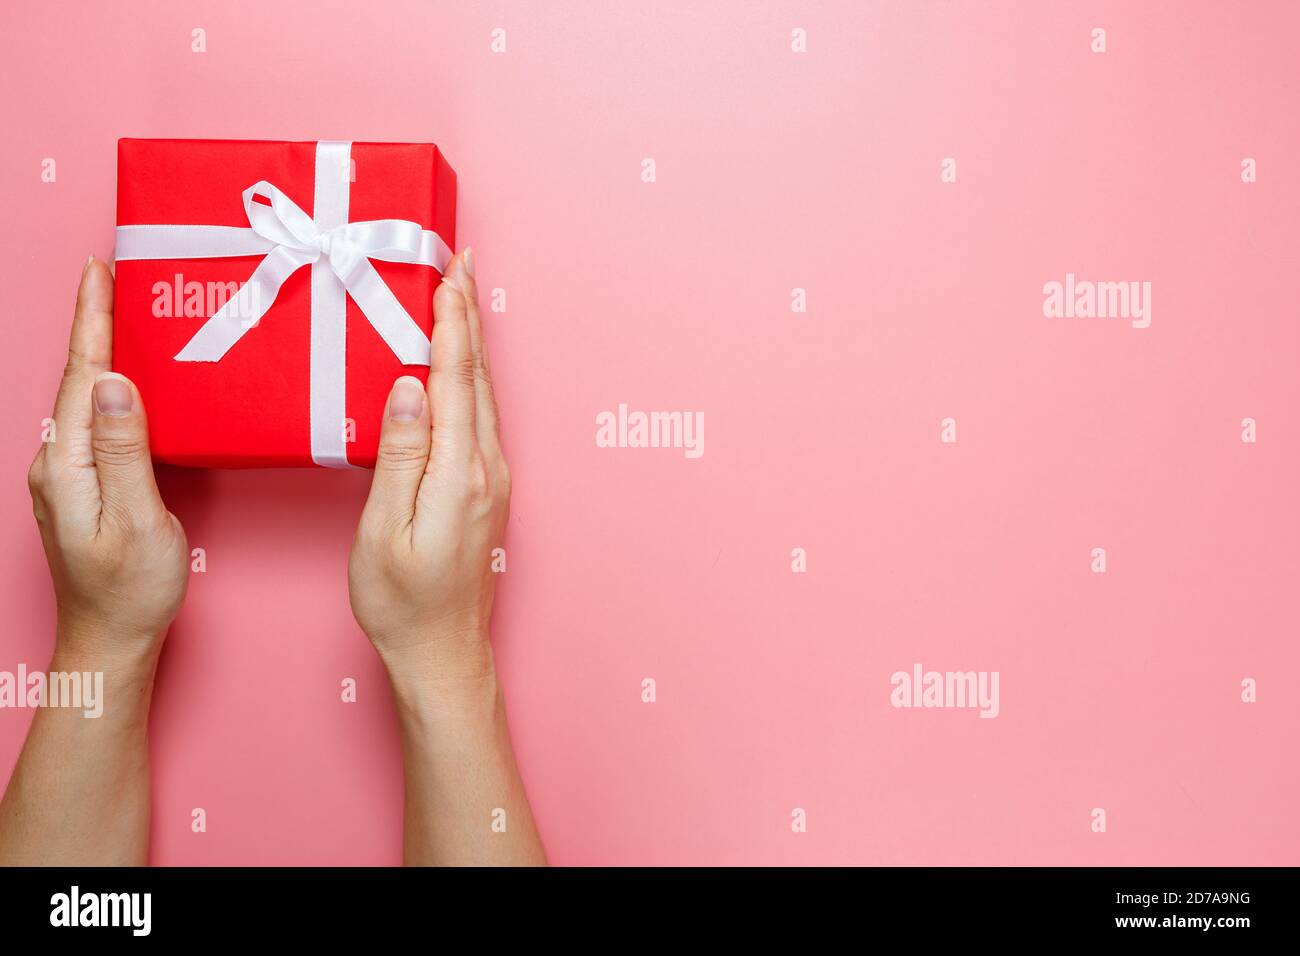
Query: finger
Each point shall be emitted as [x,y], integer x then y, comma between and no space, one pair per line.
[90,352]
[120,444]
[451,377]
[487,429]
[403,454]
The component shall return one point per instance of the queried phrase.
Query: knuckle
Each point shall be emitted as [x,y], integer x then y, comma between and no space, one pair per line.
[478,484]
[36,477]
[403,451]
[119,449]
[75,363]
[473,484]
[447,296]
[463,372]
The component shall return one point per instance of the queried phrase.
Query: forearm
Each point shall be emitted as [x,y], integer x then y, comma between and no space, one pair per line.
[465,800]
[79,793]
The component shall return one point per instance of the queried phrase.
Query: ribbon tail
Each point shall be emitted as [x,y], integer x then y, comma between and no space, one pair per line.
[244,309]
[433,251]
[389,240]
[188,242]
[385,313]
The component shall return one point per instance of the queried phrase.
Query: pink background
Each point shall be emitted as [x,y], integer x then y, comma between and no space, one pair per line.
[776,170]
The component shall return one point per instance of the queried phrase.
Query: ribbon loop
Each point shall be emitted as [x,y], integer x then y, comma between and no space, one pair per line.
[281,221]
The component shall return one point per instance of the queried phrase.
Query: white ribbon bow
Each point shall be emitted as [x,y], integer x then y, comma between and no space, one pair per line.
[339,253]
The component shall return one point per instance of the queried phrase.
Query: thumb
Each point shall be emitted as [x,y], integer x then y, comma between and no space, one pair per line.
[404,441]
[119,440]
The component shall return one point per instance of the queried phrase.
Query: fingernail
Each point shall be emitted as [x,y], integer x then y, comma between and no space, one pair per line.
[112,395]
[461,271]
[89,260]
[407,401]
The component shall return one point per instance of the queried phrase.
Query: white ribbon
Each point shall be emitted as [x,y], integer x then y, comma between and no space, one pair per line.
[339,253]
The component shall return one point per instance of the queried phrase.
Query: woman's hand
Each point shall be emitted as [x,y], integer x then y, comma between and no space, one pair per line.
[117,556]
[79,794]
[420,574]
[421,582]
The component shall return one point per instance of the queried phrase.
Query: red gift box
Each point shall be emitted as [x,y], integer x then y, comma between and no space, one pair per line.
[268,293]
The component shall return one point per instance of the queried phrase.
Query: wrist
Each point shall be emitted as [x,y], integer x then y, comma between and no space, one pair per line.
[87,645]
[122,679]
[466,709]
[451,678]
[453,654]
